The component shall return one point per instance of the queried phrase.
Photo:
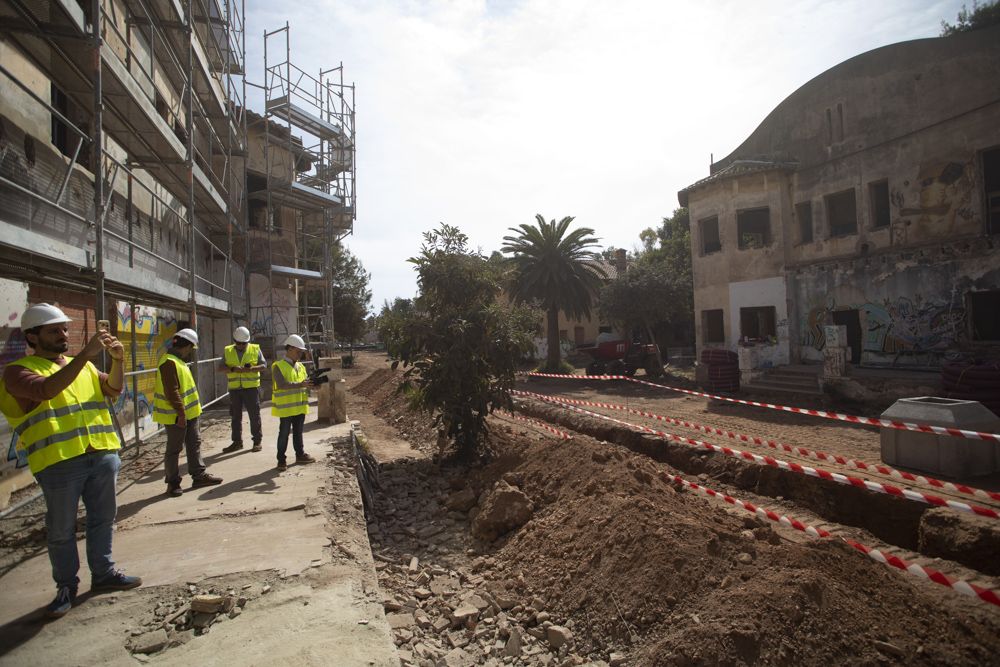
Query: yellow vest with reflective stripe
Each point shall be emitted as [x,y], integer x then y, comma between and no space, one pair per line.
[163,411]
[243,379]
[65,426]
[288,402]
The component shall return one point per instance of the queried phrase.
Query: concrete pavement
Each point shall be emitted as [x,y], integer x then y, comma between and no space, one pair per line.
[303,529]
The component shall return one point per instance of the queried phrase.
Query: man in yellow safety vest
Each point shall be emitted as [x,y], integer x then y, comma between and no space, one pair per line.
[176,405]
[290,399]
[56,408]
[242,363]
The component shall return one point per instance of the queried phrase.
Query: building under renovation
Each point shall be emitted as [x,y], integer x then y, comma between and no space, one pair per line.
[137,186]
[869,198]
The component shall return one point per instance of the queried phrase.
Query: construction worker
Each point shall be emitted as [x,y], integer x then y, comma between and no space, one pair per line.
[290,399]
[176,405]
[242,363]
[55,405]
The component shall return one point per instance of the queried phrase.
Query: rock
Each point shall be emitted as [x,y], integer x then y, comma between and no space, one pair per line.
[505,509]
[414,564]
[421,593]
[461,501]
[465,613]
[558,635]
[476,601]
[151,642]
[202,619]
[513,646]
[541,617]
[457,658]
[398,621]
[744,558]
[445,585]
[616,659]
[441,624]
[889,649]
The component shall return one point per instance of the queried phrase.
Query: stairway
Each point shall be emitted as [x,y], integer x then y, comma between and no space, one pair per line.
[790,380]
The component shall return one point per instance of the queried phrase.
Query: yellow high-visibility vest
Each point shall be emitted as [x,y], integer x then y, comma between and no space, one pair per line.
[65,426]
[243,379]
[163,411]
[289,402]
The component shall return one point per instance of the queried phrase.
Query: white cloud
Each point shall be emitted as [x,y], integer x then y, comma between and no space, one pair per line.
[482,113]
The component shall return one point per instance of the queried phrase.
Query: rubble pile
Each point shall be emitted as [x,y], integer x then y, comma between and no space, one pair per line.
[177,619]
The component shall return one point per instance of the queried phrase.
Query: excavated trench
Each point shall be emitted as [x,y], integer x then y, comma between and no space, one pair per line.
[970,540]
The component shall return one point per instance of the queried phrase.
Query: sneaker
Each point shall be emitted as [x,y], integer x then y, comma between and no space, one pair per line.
[206,480]
[235,447]
[175,490]
[304,458]
[116,580]
[256,447]
[65,597]
[282,466]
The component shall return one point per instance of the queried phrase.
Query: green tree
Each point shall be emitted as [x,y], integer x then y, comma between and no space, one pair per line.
[981,16]
[460,343]
[556,270]
[657,293]
[351,294]
[391,322]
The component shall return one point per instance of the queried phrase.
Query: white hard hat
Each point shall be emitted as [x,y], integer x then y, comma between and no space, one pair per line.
[241,335]
[188,335]
[295,340]
[41,314]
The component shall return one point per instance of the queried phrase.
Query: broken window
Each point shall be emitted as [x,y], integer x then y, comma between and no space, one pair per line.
[753,227]
[991,184]
[712,327]
[710,241]
[758,323]
[878,193]
[842,213]
[984,315]
[804,213]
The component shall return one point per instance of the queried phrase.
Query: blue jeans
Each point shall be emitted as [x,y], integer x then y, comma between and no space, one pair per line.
[293,424]
[91,476]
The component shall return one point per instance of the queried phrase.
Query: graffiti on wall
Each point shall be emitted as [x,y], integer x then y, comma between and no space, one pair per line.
[154,328]
[893,326]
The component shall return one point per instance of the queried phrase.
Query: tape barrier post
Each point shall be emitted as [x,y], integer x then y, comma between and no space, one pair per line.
[854,419]
[821,456]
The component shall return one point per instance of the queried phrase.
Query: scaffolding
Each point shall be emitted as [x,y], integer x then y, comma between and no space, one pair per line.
[303,202]
[132,189]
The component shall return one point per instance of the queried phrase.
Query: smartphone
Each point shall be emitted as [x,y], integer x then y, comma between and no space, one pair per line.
[104,325]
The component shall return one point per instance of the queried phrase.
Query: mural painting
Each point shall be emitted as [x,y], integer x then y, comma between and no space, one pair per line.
[894,326]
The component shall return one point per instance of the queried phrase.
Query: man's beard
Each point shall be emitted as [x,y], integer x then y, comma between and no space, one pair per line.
[58,348]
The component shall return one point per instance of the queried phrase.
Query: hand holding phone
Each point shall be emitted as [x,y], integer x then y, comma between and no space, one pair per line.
[104,325]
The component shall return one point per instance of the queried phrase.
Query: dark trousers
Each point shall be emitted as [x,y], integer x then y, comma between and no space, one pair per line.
[189,439]
[293,424]
[249,399]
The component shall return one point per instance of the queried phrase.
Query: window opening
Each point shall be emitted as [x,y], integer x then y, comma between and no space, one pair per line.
[878,192]
[711,323]
[804,213]
[984,315]
[758,323]
[710,241]
[753,226]
[842,213]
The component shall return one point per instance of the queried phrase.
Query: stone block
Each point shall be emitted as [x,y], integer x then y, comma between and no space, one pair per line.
[835,361]
[836,335]
[942,455]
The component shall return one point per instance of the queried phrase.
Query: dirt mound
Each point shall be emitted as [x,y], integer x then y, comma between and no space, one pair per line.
[378,380]
[380,388]
[638,564]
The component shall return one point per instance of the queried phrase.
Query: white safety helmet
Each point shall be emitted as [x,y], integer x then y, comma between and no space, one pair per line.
[188,335]
[295,340]
[41,314]
[241,335]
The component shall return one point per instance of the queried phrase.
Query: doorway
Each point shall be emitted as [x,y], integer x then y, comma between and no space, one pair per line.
[852,320]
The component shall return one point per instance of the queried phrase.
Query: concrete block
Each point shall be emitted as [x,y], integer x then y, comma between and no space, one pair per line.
[836,335]
[835,362]
[942,455]
[339,401]
[325,393]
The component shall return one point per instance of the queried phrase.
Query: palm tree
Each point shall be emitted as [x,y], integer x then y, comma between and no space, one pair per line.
[555,269]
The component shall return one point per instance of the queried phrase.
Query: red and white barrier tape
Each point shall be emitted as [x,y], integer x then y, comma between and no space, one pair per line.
[820,456]
[959,585]
[535,422]
[820,473]
[854,419]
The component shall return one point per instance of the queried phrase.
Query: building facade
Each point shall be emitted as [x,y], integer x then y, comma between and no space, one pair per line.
[870,198]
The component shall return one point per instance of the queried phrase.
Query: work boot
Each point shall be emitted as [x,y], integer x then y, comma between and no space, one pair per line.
[65,597]
[205,480]
[304,458]
[116,580]
[174,490]
[235,447]
[256,447]
[282,466]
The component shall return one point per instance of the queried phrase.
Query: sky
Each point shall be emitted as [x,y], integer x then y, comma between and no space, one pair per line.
[482,113]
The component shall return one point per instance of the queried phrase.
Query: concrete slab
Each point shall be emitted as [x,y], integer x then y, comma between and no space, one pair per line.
[328,611]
